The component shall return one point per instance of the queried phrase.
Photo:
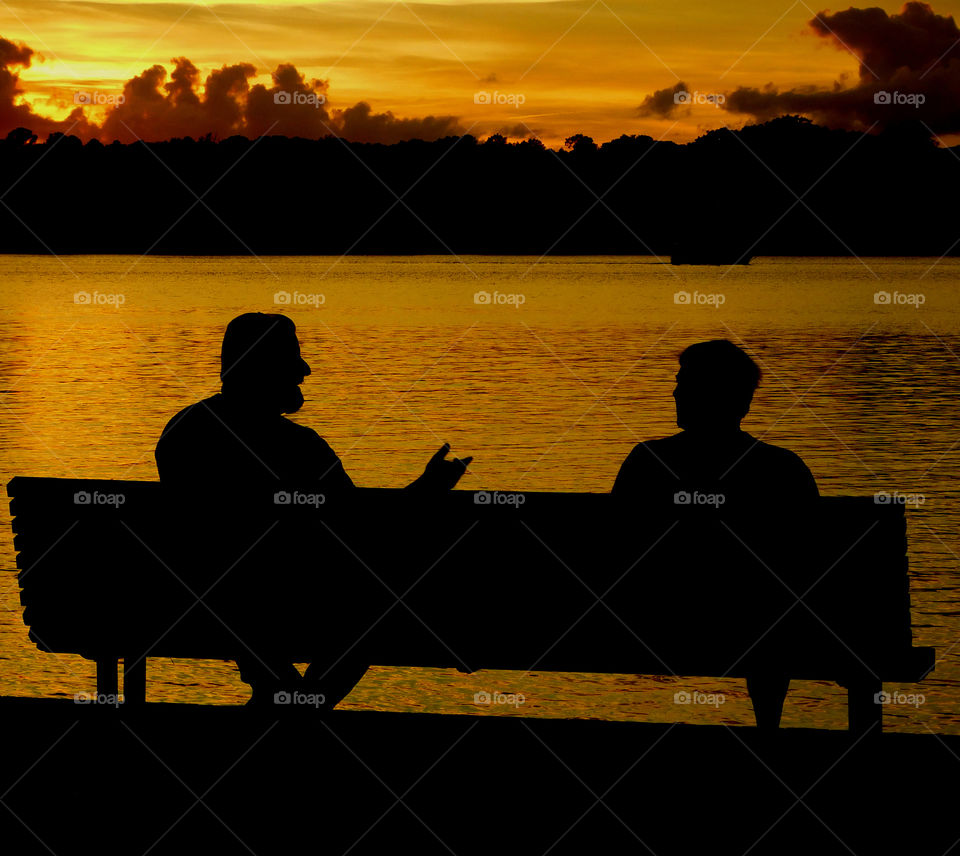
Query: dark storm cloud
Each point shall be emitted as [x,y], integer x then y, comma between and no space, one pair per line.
[909,70]
[154,108]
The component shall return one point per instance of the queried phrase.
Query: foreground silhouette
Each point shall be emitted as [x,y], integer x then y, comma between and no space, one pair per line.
[239,439]
[714,463]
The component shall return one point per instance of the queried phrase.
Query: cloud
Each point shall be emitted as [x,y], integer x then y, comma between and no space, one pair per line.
[662,103]
[916,39]
[12,115]
[909,70]
[361,124]
[154,108]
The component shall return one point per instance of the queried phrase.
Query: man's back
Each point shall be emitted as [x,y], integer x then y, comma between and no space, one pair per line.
[735,466]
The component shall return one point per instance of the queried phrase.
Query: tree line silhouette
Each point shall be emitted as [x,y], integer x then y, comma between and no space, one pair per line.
[784,187]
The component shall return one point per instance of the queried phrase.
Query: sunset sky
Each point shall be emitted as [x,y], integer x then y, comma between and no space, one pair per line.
[577,66]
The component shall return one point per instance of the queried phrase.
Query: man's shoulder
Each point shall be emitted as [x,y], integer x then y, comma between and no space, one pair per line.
[782,466]
[682,440]
[214,410]
[772,453]
[674,441]
[192,413]
[657,452]
[652,459]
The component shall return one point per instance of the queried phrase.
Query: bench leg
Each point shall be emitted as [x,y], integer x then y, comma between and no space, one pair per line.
[865,712]
[134,680]
[107,678]
[767,692]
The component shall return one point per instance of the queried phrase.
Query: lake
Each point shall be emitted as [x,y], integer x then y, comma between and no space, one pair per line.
[547,371]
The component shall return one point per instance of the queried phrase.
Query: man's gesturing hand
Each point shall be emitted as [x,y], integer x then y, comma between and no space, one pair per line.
[441,474]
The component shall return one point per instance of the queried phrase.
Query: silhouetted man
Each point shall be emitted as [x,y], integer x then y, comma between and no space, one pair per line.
[712,455]
[239,440]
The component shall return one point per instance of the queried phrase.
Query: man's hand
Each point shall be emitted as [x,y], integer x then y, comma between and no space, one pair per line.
[441,474]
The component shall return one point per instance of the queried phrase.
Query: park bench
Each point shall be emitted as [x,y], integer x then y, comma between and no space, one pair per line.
[122,570]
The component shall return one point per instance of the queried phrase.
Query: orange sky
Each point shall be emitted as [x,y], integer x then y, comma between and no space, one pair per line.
[578,66]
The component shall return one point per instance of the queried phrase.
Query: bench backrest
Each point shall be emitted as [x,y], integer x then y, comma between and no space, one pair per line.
[546,581]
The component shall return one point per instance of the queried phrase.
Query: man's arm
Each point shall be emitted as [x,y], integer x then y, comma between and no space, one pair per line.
[439,474]
[329,467]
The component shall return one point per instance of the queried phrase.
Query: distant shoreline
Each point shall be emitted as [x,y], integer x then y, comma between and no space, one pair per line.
[783,188]
[664,258]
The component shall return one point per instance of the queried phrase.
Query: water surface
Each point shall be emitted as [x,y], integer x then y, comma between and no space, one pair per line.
[547,371]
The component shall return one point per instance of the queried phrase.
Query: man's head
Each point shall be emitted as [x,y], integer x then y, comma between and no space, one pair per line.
[715,386]
[261,363]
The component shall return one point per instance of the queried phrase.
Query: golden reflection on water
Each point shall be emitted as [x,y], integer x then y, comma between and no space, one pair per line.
[548,392]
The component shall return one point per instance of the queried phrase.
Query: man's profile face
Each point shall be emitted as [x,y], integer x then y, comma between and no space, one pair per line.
[271,373]
[288,373]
